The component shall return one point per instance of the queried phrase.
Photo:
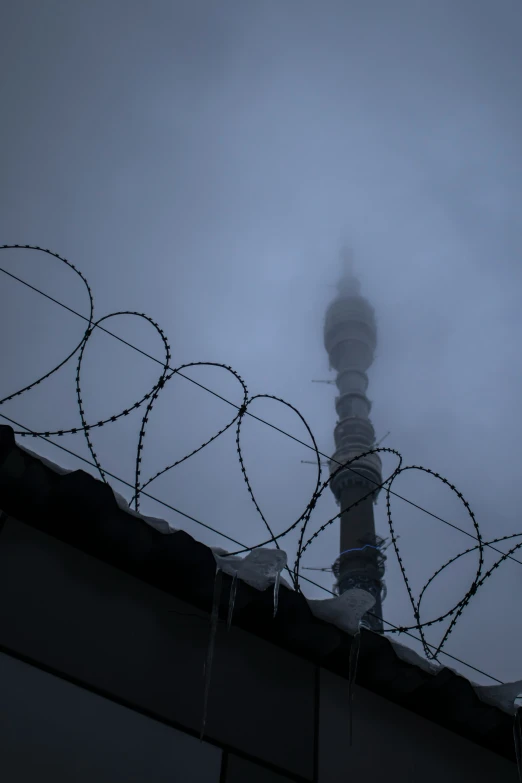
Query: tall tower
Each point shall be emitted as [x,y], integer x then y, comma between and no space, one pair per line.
[350,337]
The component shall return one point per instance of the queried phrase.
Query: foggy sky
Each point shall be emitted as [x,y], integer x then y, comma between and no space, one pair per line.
[203,162]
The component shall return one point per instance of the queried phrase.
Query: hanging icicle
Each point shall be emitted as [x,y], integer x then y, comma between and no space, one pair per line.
[352,674]
[517,735]
[232,600]
[276,591]
[207,667]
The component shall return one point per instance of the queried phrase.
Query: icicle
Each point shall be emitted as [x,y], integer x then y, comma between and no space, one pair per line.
[276,591]
[352,673]
[232,600]
[207,667]
[517,735]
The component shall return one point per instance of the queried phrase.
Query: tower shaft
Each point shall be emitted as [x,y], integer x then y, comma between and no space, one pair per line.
[350,340]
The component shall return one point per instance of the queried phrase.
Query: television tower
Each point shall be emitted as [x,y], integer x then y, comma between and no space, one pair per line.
[350,338]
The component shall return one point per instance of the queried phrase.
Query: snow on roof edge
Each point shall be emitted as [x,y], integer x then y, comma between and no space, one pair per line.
[345,611]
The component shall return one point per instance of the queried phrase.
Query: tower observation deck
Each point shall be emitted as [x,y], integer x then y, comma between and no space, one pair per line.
[350,338]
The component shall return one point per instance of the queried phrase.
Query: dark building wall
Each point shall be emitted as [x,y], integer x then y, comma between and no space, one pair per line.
[136,645]
[123,637]
[51,730]
[393,744]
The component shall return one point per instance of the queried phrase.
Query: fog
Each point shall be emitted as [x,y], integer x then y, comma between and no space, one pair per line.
[203,162]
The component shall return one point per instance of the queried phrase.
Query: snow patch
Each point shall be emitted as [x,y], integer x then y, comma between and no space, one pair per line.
[158,524]
[344,611]
[47,462]
[410,656]
[505,697]
[260,568]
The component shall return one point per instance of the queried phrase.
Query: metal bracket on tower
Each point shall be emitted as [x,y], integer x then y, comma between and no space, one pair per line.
[375,445]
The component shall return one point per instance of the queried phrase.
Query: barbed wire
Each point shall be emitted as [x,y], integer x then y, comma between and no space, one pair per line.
[234,405]
[234,541]
[139,486]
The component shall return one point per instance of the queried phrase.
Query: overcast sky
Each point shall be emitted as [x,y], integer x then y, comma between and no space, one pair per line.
[203,162]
